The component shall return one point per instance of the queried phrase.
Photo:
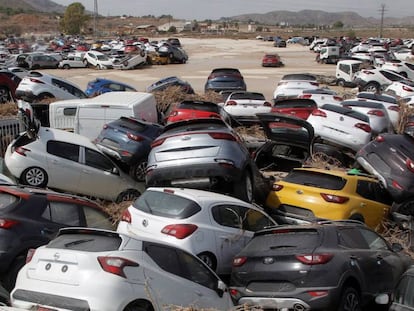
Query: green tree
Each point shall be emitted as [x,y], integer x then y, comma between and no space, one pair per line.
[74,19]
[338,25]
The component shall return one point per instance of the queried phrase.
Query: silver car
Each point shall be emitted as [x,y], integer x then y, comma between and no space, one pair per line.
[202,154]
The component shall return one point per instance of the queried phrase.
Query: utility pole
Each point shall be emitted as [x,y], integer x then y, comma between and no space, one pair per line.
[95,14]
[382,11]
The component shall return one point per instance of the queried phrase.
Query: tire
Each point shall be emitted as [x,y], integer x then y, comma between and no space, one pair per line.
[137,171]
[9,279]
[372,87]
[350,300]
[243,189]
[125,63]
[357,217]
[209,259]
[340,82]
[139,306]
[66,66]
[128,195]
[4,95]
[35,177]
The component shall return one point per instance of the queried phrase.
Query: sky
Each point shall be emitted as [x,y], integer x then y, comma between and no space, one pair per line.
[215,9]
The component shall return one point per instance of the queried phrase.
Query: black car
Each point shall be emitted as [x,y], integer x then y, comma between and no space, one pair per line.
[331,265]
[31,217]
[390,157]
[174,53]
[280,43]
[223,79]
[128,141]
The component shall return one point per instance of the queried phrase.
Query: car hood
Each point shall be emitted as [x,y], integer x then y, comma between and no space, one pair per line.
[287,129]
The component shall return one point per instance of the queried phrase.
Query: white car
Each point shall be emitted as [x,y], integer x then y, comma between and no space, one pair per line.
[213,226]
[321,96]
[403,68]
[244,105]
[291,85]
[97,60]
[37,86]
[341,126]
[72,61]
[376,112]
[401,88]
[69,162]
[376,79]
[101,270]
[404,54]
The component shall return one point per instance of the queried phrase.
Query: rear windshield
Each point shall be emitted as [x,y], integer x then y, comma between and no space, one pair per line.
[210,107]
[347,112]
[86,242]
[296,76]
[166,204]
[256,96]
[284,240]
[315,179]
[6,200]
[129,124]
[197,127]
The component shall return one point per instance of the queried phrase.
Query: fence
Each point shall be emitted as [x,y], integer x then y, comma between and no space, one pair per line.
[9,128]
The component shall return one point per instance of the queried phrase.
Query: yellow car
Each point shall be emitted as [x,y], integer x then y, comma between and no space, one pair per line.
[311,193]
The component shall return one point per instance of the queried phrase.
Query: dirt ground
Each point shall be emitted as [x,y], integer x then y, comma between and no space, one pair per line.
[206,54]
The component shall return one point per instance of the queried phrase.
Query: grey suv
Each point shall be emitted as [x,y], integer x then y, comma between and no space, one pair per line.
[331,265]
[202,154]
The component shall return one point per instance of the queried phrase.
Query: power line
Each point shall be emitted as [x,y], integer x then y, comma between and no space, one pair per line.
[382,11]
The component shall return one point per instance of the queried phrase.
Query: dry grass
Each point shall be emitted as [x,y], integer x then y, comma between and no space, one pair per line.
[8,110]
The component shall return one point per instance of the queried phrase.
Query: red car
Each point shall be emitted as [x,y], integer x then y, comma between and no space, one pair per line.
[189,109]
[296,107]
[271,60]
[8,84]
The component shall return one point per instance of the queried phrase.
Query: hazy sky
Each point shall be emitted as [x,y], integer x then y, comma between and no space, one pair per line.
[214,9]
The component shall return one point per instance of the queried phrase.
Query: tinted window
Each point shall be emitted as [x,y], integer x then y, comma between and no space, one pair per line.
[199,106]
[227,215]
[374,241]
[351,238]
[97,219]
[404,293]
[97,160]
[71,111]
[166,205]
[63,213]
[86,242]
[256,96]
[373,191]
[316,179]
[63,150]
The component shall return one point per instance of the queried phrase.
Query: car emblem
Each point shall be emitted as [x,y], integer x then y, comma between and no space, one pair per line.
[341,118]
[145,222]
[56,256]
[268,260]
[299,191]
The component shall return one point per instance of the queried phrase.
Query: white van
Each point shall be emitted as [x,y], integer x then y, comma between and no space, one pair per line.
[62,114]
[92,114]
[345,71]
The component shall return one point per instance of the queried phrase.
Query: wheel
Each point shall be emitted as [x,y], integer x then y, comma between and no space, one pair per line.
[4,95]
[35,177]
[243,189]
[66,66]
[34,67]
[357,217]
[209,260]
[137,171]
[350,300]
[9,279]
[372,87]
[139,306]
[128,195]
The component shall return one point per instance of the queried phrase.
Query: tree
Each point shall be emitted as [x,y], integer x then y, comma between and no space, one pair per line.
[74,19]
[338,25]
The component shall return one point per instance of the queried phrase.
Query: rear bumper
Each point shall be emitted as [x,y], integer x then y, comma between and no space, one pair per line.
[275,303]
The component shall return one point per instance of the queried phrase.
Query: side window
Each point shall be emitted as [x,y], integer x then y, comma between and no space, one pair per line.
[227,215]
[374,241]
[97,160]
[63,213]
[97,219]
[351,238]
[382,195]
[254,220]
[344,68]
[63,150]
[366,189]
[165,257]
[404,292]
[115,87]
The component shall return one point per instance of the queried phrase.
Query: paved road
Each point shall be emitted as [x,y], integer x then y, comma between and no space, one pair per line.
[206,54]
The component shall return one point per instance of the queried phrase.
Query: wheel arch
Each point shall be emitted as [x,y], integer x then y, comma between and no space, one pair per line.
[212,255]
[146,305]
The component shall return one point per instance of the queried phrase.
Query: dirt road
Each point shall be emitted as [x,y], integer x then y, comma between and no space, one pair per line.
[206,54]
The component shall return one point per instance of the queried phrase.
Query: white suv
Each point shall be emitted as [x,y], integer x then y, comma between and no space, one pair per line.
[98,60]
[376,79]
[37,86]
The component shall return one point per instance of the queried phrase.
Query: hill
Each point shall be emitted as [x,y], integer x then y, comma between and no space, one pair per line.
[45,6]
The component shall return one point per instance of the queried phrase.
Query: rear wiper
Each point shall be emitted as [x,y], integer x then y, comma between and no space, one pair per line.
[281,246]
[77,242]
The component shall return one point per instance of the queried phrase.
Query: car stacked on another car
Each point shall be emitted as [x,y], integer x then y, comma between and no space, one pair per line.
[100,85]
[321,266]
[190,109]
[213,226]
[97,60]
[292,85]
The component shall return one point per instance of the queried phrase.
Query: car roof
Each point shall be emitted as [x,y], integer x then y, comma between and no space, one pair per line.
[47,133]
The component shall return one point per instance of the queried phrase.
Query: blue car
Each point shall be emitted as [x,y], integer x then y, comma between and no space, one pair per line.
[100,86]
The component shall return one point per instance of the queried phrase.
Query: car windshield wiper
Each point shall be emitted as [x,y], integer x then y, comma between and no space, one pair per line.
[77,242]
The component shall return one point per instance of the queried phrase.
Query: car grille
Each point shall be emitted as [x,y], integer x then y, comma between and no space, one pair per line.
[271,287]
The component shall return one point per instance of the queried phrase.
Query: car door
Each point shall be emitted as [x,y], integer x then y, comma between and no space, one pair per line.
[63,165]
[404,294]
[170,268]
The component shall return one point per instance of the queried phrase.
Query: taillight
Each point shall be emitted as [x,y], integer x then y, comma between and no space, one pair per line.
[318,113]
[126,216]
[363,126]
[410,165]
[105,126]
[396,185]
[380,139]
[239,261]
[338,98]
[267,104]
[135,137]
[231,103]
[277,187]
[7,223]
[394,108]
[314,259]
[30,254]
[318,293]
[367,72]
[225,136]
[334,198]
[180,231]
[21,150]
[375,112]
[36,81]
[305,96]
[173,113]
[314,83]
[116,265]
[406,88]
[157,142]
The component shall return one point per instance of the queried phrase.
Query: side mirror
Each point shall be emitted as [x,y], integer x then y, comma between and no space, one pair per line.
[382,299]
[396,247]
[221,288]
